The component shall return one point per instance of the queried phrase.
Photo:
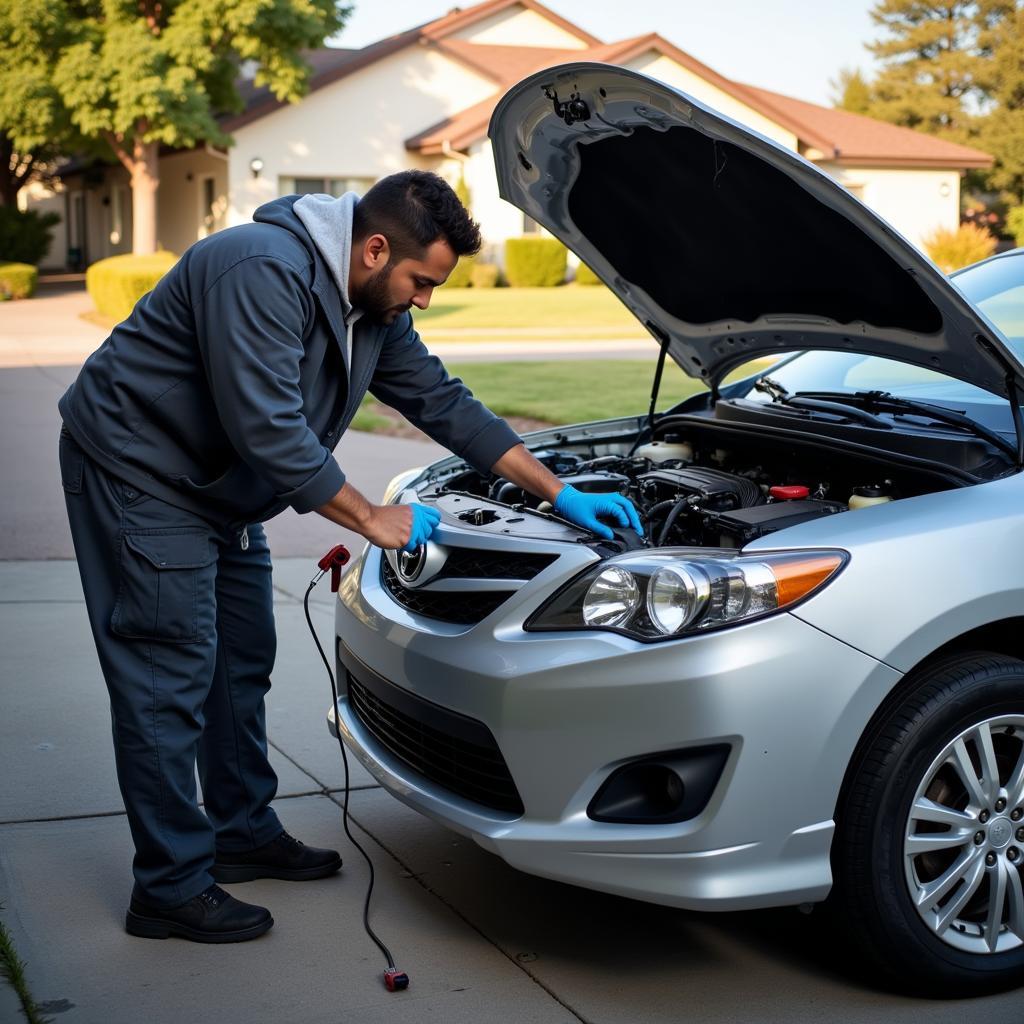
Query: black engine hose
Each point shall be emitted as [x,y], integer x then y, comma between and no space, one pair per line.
[671,520]
[657,509]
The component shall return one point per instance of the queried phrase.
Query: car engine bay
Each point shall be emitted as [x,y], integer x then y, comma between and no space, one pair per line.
[697,484]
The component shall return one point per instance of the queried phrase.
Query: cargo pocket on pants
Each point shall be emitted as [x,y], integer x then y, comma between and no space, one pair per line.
[72,463]
[166,586]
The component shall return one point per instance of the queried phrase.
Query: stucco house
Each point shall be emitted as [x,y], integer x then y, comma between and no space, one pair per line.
[423,98]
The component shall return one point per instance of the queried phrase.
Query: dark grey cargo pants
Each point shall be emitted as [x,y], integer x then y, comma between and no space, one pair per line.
[184,628]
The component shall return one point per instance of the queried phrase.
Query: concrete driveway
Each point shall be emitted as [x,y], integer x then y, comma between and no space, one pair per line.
[481,942]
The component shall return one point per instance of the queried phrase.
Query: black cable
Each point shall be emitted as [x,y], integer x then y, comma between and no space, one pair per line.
[344,760]
[681,504]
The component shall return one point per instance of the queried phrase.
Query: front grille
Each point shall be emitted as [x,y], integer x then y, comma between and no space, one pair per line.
[452,750]
[472,563]
[463,607]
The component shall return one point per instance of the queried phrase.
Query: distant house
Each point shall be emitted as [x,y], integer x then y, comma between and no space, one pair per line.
[423,98]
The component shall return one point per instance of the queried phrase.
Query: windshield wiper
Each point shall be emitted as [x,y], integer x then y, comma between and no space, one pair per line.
[818,402]
[772,388]
[884,401]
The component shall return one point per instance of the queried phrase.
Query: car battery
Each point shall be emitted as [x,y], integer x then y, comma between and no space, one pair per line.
[742,525]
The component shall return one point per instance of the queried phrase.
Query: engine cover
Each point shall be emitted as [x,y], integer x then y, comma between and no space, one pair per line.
[715,488]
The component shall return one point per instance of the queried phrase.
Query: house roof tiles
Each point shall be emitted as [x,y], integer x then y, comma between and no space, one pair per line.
[837,135]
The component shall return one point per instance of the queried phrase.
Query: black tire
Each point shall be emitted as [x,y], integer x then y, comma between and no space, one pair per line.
[875,889]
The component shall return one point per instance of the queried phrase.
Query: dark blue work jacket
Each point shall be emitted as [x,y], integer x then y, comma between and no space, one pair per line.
[226,391]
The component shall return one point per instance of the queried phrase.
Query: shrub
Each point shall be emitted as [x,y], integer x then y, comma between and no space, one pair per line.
[585,276]
[1015,223]
[17,280]
[25,237]
[484,275]
[952,250]
[459,277]
[117,283]
[533,262]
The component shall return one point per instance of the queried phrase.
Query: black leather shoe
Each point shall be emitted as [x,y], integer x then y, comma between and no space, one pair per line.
[212,916]
[284,857]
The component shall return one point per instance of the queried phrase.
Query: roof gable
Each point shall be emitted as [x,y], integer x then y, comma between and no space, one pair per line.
[479,22]
[854,138]
[836,134]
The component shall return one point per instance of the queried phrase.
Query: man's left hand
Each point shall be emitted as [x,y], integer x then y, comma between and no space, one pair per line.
[584,509]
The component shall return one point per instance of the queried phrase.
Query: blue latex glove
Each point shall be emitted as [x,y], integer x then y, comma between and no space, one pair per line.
[424,519]
[583,509]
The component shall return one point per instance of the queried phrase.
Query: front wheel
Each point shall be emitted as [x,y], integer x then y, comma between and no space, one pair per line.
[930,843]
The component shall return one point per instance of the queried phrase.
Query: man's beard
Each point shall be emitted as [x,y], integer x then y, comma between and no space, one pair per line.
[374,298]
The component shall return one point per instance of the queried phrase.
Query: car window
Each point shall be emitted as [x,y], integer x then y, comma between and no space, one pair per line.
[996,287]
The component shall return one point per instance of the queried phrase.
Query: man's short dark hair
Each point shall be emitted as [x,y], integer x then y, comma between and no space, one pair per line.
[413,209]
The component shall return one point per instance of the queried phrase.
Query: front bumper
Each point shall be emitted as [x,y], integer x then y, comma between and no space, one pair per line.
[567,709]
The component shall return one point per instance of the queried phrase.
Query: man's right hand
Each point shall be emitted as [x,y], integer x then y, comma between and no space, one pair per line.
[387,526]
[401,526]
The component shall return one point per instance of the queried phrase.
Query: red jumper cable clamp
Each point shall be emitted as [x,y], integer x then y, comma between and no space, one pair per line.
[337,557]
[395,980]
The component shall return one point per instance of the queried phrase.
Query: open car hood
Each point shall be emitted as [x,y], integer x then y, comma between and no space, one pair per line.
[725,245]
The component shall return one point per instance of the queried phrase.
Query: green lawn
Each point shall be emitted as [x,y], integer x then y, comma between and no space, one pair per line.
[570,391]
[568,307]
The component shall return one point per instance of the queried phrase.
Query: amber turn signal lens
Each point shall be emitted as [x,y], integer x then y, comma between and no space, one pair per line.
[795,578]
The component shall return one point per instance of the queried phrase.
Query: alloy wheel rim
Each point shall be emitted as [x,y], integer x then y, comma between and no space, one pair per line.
[963,841]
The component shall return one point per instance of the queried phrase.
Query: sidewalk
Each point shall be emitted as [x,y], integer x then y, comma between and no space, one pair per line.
[48,330]
[65,854]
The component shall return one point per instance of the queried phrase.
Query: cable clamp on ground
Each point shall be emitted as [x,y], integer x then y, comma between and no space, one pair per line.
[395,980]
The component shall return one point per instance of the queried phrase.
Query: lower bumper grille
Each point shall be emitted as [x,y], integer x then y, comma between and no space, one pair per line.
[452,750]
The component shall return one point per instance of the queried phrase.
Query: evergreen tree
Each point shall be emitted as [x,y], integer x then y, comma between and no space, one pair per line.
[851,91]
[141,73]
[931,65]
[1002,130]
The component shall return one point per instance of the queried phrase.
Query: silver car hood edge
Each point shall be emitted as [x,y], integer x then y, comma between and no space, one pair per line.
[540,154]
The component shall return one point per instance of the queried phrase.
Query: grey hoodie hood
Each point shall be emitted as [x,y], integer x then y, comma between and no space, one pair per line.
[329,223]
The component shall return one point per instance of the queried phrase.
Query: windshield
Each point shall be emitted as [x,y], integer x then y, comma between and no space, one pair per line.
[996,287]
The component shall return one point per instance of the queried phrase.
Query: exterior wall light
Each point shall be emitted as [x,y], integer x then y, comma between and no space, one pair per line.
[255,165]
[944,190]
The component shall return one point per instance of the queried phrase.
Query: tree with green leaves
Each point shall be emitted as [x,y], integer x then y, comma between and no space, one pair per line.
[145,73]
[35,125]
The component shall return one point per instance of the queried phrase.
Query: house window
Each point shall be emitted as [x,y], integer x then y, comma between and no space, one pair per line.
[212,207]
[117,198]
[324,186]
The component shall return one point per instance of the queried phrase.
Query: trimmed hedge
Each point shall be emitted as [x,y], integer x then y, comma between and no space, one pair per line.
[484,275]
[585,276]
[17,281]
[25,237]
[952,250]
[118,282]
[534,262]
[1015,223]
[460,276]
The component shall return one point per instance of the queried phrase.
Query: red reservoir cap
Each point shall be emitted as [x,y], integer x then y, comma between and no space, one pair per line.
[793,492]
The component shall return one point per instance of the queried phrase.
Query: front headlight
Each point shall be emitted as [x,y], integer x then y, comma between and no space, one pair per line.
[399,484]
[673,593]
